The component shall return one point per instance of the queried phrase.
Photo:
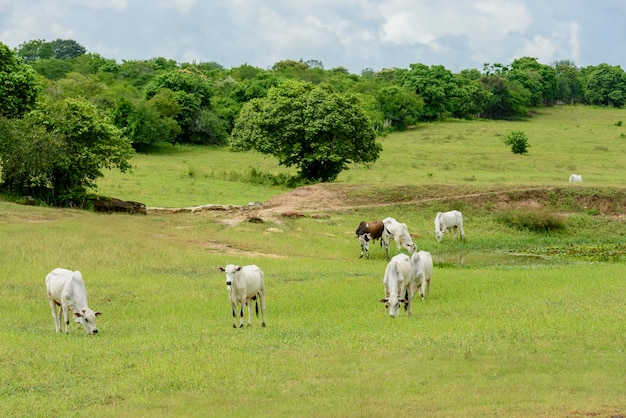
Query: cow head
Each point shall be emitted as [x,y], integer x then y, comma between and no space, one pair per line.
[392,304]
[230,271]
[87,318]
[411,247]
[439,235]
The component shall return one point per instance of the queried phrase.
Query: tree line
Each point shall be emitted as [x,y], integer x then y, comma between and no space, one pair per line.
[94,112]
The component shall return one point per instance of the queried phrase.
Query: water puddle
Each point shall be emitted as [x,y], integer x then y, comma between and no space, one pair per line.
[475,259]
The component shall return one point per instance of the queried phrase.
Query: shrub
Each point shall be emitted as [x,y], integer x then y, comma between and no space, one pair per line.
[532,220]
[518,142]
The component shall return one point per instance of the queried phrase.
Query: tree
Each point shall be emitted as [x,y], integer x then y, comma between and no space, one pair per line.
[569,86]
[606,86]
[537,78]
[143,124]
[35,50]
[400,106]
[518,142]
[310,127]
[19,85]
[40,49]
[56,152]
[67,48]
[192,91]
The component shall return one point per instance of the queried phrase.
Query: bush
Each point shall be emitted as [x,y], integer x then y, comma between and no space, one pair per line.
[518,142]
[532,220]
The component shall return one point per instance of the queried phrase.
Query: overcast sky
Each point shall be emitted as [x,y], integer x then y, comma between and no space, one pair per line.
[355,34]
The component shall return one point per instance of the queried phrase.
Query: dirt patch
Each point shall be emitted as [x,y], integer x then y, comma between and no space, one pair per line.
[314,200]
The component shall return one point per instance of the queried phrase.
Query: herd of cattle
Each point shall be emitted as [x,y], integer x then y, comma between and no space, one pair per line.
[405,276]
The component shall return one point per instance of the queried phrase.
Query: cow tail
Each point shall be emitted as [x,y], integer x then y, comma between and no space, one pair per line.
[256,306]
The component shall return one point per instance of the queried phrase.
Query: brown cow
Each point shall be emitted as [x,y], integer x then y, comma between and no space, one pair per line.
[371,231]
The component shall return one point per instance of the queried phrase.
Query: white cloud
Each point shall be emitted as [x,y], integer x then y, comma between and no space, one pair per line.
[181,6]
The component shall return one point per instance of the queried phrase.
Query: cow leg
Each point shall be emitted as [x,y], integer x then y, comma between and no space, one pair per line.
[249,303]
[462,231]
[262,300]
[233,306]
[56,312]
[66,317]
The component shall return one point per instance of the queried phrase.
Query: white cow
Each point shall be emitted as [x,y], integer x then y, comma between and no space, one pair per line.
[576,178]
[245,284]
[67,292]
[447,221]
[397,284]
[422,263]
[400,233]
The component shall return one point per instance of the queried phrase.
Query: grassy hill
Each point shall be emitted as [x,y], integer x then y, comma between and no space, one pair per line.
[525,317]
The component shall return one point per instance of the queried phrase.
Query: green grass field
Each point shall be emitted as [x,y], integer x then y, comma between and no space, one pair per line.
[529,325]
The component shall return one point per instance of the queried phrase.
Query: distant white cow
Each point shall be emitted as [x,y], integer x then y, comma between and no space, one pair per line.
[400,233]
[67,292]
[447,221]
[397,284]
[422,263]
[245,284]
[576,178]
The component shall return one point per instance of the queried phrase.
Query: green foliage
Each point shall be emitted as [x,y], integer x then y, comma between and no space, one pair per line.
[533,220]
[19,85]
[61,49]
[606,86]
[61,164]
[310,127]
[400,106]
[192,91]
[518,142]
[143,124]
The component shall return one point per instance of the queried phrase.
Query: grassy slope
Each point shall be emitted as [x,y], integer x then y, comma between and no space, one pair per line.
[506,339]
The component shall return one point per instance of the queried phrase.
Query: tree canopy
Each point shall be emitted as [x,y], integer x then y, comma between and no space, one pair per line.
[308,126]
[19,85]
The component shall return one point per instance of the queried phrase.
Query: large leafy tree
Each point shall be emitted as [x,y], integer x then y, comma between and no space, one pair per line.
[19,85]
[399,106]
[192,91]
[58,151]
[310,127]
[606,86]
[537,78]
[40,49]
[568,80]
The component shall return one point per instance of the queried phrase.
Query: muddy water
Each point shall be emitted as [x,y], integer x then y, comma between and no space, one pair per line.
[475,259]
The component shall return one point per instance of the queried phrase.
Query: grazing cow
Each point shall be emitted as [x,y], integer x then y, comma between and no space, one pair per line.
[398,285]
[67,292]
[576,178]
[447,221]
[245,284]
[400,233]
[371,231]
[422,262]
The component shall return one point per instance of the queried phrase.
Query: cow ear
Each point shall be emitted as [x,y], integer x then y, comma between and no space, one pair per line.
[384,300]
[97,313]
[238,268]
[77,315]
[403,300]
[221,269]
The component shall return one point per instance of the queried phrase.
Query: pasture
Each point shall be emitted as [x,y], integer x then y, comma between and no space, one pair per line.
[518,323]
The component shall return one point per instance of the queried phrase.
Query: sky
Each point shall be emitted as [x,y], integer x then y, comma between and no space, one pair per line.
[355,34]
